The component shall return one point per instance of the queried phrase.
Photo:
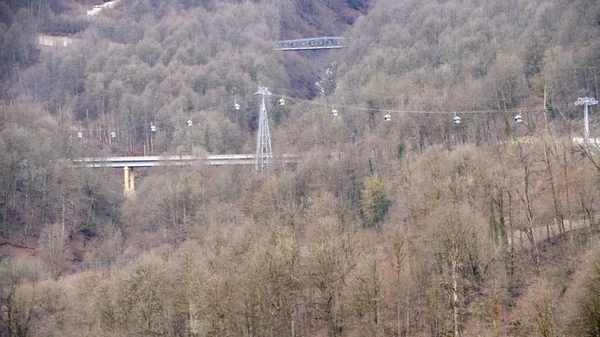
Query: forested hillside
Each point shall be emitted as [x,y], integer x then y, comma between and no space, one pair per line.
[413,226]
[469,56]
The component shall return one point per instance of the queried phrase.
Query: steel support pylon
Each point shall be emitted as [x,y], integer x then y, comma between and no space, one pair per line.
[264,152]
[586,102]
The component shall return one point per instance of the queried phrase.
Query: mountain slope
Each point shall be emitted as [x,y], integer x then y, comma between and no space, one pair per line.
[471,55]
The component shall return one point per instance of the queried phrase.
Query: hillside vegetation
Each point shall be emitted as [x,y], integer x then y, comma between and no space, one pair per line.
[411,227]
[471,56]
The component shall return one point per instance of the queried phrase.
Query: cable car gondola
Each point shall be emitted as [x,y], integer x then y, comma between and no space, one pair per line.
[190,123]
[152,128]
[282,100]
[387,118]
[113,134]
[79,134]
[518,119]
[334,112]
[236,106]
[456,119]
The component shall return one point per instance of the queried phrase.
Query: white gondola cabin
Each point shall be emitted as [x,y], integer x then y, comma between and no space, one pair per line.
[334,112]
[518,119]
[190,123]
[282,100]
[113,134]
[79,134]
[387,118]
[152,128]
[456,120]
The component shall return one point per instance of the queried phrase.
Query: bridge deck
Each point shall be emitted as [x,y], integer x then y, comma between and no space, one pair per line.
[151,161]
[332,42]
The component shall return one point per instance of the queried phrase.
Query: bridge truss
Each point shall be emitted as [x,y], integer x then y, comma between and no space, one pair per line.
[315,43]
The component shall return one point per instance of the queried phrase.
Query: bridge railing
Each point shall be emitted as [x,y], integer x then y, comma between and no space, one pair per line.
[150,161]
[334,42]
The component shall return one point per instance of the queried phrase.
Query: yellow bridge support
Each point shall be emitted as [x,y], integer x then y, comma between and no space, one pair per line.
[129,163]
[129,181]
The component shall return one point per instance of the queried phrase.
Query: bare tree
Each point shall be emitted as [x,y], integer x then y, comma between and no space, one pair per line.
[333,255]
[454,229]
[53,252]
[526,159]
[19,301]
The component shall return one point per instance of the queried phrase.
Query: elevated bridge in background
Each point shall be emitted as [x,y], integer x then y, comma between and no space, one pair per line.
[129,163]
[45,40]
[315,43]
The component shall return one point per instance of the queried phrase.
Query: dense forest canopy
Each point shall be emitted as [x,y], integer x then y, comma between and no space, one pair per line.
[473,55]
[415,226]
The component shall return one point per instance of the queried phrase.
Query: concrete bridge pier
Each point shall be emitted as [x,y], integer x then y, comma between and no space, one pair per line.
[129,163]
[129,181]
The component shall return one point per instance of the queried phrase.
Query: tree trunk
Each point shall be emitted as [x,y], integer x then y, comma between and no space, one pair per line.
[455,297]
[529,230]
[511,267]
[557,213]
[293,323]
[567,189]
[407,330]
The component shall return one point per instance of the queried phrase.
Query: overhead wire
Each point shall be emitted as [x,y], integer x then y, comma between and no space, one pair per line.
[155,122]
[349,107]
[322,104]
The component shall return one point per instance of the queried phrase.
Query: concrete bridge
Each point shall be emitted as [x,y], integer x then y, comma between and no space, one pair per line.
[129,163]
